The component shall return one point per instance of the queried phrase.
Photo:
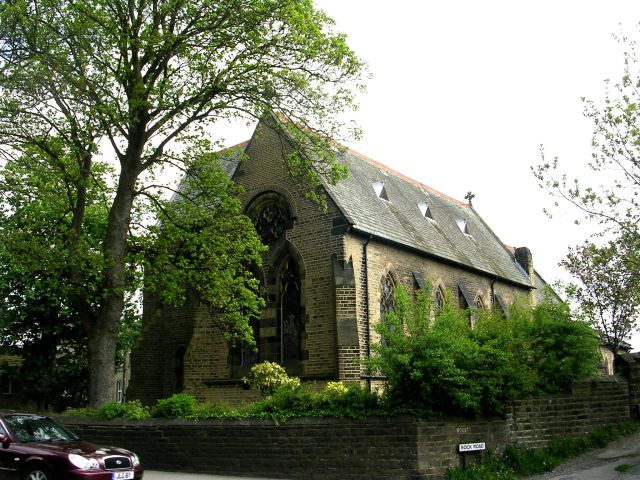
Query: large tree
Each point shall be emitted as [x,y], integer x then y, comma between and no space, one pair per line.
[134,80]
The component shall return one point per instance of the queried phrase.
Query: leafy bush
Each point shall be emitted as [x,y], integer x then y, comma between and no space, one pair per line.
[214,411]
[435,362]
[180,405]
[269,377]
[133,410]
[81,412]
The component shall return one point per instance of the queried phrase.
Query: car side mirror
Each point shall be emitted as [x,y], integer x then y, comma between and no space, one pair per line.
[4,440]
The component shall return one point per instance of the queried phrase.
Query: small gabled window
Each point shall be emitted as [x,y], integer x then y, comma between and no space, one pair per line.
[381,192]
[425,210]
[463,225]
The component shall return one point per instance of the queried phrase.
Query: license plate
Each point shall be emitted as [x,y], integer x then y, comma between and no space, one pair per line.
[122,475]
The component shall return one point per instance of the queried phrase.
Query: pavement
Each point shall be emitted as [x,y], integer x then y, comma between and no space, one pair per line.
[154,475]
[621,460]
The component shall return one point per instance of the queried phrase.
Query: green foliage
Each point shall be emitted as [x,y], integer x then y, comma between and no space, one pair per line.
[130,410]
[608,289]
[269,377]
[180,405]
[625,467]
[493,467]
[103,85]
[205,243]
[435,362]
[289,400]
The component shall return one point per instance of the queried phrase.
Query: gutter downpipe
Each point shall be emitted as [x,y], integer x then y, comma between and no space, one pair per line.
[366,302]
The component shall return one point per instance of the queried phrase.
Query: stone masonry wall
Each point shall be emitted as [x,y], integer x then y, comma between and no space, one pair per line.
[373,448]
[590,407]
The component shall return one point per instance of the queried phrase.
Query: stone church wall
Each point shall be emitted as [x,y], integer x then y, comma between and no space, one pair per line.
[315,238]
[340,295]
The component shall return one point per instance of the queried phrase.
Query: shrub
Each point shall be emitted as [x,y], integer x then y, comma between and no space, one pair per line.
[133,410]
[81,412]
[214,411]
[335,389]
[180,405]
[269,377]
[436,362]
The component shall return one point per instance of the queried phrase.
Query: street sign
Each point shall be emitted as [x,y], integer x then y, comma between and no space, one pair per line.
[471,447]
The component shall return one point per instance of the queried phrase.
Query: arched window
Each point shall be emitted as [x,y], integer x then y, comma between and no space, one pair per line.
[271,216]
[289,316]
[282,325]
[387,300]
[438,299]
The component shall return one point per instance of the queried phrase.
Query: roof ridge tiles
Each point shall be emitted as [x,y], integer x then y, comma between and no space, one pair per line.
[404,177]
[242,144]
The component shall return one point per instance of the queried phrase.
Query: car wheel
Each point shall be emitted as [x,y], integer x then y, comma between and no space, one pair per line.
[37,473]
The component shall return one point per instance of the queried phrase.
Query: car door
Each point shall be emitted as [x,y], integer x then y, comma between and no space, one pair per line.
[8,463]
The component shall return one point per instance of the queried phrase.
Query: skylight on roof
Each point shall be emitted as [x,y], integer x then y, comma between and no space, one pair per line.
[425,210]
[463,226]
[381,192]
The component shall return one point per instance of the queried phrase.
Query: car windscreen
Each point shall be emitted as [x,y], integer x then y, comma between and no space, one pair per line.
[37,429]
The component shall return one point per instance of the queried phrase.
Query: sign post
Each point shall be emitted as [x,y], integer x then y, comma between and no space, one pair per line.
[470,448]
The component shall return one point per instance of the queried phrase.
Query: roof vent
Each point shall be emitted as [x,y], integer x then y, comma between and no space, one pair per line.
[463,226]
[381,192]
[425,210]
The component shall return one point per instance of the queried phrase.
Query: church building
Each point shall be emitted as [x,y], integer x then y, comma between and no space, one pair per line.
[328,276]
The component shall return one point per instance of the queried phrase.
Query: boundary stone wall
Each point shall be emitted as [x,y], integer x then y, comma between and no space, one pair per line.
[372,448]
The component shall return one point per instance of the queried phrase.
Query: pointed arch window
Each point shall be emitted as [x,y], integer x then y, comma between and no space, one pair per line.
[271,216]
[438,299]
[387,299]
[281,328]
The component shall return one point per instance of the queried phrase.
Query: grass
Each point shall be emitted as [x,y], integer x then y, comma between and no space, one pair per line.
[623,468]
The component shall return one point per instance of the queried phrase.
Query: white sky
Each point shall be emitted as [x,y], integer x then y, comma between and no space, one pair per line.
[464,93]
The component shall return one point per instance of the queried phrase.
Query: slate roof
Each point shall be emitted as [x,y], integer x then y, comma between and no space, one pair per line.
[399,220]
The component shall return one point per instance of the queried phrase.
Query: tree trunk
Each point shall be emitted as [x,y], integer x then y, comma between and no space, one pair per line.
[102,332]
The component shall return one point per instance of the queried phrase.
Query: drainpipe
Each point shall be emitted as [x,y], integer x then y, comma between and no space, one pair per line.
[366,302]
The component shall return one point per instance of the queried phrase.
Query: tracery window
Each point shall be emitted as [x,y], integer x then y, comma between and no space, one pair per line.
[290,321]
[438,300]
[271,217]
[387,300]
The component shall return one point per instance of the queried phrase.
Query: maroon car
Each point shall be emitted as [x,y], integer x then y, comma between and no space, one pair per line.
[34,447]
